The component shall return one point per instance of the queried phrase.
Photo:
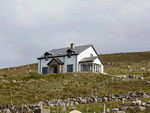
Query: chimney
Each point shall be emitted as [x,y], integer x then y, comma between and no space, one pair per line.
[72,45]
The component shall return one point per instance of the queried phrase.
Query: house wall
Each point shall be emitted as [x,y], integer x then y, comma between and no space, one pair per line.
[44,64]
[86,53]
[69,61]
[39,64]
[66,61]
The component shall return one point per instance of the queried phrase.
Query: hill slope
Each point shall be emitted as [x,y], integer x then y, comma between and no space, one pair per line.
[120,61]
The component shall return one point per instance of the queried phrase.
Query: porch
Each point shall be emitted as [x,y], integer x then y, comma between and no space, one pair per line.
[55,66]
[90,67]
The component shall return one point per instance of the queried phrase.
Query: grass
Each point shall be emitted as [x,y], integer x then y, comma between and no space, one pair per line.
[31,89]
[141,59]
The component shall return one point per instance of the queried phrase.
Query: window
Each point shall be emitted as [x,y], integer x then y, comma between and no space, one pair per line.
[46,57]
[70,68]
[69,54]
[45,70]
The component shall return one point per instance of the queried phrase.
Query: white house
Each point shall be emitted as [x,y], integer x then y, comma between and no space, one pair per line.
[70,59]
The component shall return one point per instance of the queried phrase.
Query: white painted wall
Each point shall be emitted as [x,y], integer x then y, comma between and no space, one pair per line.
[44,63]
[86,53]
[69,61]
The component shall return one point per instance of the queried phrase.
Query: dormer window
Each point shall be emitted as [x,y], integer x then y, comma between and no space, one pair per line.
[69,54]
[46,57]
[47,54]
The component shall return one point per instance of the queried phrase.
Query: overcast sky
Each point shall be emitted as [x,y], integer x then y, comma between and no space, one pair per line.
[28,28]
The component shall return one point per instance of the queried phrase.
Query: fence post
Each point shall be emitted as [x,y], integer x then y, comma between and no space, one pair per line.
[87,109]
[104,108]
[95,90]
[8,69]
[103,83]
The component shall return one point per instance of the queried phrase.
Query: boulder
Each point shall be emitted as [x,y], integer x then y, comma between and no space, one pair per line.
[1,76]
[75,111]
[127,104]
[148,102]
[115,109]
[142,108]
[147,82]
[133,103]
[138,102]
[143,104]
[141,78]
[108,110]
[84,101]
[45,110]
[120,112]
[123,108]
[6,111]
[13,81]
[104,99]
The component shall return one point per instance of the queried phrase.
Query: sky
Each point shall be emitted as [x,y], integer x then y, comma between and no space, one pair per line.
[28,28]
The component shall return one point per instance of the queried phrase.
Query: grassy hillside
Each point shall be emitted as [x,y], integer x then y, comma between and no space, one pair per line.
[20,70]
[31,89]
[133,59]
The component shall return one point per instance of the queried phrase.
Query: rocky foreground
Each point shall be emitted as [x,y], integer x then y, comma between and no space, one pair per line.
[74,101]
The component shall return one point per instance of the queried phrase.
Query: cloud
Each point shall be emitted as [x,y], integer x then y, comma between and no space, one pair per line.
[28,28]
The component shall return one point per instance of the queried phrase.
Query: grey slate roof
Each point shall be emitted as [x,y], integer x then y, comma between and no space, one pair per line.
[78,50]
[88,59]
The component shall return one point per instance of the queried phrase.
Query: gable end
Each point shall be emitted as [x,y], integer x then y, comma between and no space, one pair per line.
[97,55]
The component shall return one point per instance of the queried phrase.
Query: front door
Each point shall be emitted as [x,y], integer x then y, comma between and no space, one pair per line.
[55,69]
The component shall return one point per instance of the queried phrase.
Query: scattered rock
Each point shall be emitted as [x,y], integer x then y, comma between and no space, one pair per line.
[133,103]
[1,76]
[141,78]
[75,111]
[108,110]
[128,67]
[13,81]
[143,104]
[148,102]
[147,82]
[6,111]
[141,108]
[120,112]
[138,102]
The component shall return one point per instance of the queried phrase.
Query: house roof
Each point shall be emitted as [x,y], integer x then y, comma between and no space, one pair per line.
[63,51]
[57,60]
[88,59]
